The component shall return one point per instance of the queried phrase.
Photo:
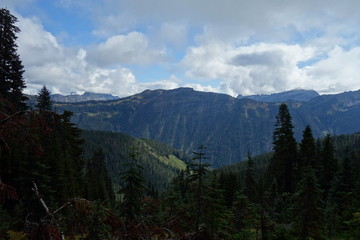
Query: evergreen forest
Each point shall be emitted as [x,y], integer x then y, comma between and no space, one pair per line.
[60,182]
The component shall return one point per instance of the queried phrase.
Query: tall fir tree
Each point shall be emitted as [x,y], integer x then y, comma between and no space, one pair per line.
[133,191]
[308,152]
[11,68]
[308,207]
[215,212]
[199,169]
[250,182]
[44,100]
[98,182]
[283,163]
[329,164]
[341,197]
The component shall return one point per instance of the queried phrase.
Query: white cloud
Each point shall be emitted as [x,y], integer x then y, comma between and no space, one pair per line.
[37,46]
[259,68]
[65,70]
[202,88]
[261,19]
[132,48]
[257,46]
[337,73]
[171,83]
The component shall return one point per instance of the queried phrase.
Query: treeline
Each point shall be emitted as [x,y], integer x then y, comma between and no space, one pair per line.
[161,163]
[305,190]
[40,151]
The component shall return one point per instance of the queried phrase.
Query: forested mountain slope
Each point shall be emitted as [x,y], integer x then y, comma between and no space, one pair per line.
[161,162]
[229,127]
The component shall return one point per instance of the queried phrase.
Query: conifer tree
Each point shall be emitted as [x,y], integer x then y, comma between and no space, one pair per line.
[43,100]
[329,164]
[308,207]
[250,182]
[230,184]
[98,182]
[133,191]
[307,153]
[199,169]
[340,201]
[215,212]
[11,69]
[244,214]
[283,163]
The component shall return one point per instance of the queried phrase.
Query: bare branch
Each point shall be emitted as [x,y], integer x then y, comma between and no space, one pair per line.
[43,204]
[2,121]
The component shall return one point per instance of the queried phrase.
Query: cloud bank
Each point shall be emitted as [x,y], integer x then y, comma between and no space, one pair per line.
[233,47]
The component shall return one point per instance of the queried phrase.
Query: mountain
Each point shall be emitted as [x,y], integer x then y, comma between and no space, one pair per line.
[161,162]
[86,96]
[300,95]
[228,127]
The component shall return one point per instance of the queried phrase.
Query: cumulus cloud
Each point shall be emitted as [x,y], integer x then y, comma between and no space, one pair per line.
[37,46]
[261,19]
[337,73]
[65,70]
[259,68]
[132,48]
[247,47]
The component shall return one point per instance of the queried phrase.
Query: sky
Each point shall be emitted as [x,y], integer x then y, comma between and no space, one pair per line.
[123,47]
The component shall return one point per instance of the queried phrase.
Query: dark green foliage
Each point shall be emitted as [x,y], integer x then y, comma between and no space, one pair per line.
[250,182]
[341,198]
[11,69]
[198,171]
[43,100]
[98,183]
[245,218]
[329,164]
[307,153]
[308,207]
[161,163]
[229,182]
[283,162]
[133,191]
[215,213]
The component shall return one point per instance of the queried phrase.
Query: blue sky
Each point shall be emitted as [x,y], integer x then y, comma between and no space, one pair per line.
[123,47]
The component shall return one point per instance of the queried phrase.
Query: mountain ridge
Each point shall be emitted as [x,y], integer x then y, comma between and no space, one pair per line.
[229,127]
[86,96]
[301,95]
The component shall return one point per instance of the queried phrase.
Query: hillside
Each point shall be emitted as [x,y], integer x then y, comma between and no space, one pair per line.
[161,162]
[229,127]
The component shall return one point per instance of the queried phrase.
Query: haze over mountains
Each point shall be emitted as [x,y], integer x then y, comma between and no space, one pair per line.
[228,126]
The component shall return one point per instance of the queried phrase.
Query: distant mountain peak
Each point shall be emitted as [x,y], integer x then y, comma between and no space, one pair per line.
[301,95]
[86,96]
